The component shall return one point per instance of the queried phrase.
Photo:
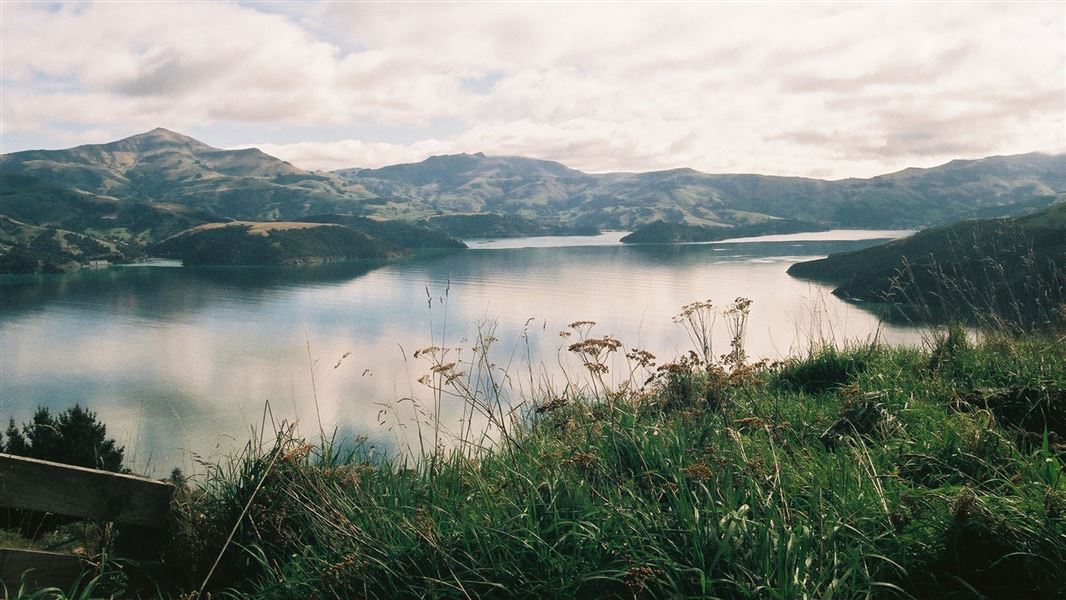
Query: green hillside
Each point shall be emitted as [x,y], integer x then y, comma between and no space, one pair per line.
[26,248]
[401,233]
[162,166]
[138,191]
[274,244]
[546,191]
[145,188]
[1009,267]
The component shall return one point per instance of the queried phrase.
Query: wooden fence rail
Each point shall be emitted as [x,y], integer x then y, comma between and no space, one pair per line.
[43,486]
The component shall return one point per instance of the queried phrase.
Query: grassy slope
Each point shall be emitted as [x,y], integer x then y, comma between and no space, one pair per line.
[1000,264]
[164,167]
[848,474]
[259,243]
[400,233]
[547,192]
[26,248]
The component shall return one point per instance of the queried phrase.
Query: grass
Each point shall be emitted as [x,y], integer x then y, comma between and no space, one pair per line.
[862,472]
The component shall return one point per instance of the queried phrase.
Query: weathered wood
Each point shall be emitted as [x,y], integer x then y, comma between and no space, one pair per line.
[49,569]
[44,486]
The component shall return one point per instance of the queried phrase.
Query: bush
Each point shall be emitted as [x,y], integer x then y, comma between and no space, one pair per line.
[827,369]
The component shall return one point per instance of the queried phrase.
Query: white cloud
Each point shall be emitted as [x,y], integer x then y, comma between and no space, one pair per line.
[822,89]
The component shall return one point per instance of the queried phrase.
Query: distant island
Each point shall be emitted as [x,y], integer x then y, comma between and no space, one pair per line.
[661,232]
[490,225]
[115,202]
[1011,267]
[274,244]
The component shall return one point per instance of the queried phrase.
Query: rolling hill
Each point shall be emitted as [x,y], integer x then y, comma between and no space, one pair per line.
[143,189]
[549,192]
[26,248]
[140,190]
[162,167]
[1012,267]
[274,244]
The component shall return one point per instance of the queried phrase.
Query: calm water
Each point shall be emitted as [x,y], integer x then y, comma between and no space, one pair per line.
[180,362]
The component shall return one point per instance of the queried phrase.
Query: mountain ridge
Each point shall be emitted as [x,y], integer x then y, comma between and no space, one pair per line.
[143,188]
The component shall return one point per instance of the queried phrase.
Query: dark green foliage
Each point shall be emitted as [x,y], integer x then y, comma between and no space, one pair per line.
[828,369]
[74,437]
[985,549]
[948,347]
[866,417]
[26,248]
[1010,270]
[16,442]
[19,260]
[242,244]
[405,235]
[658,494]
[1035,410]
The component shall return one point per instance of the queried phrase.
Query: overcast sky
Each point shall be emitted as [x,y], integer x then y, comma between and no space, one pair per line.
[822,90]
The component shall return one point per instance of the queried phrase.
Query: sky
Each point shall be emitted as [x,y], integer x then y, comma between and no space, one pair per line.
[822,90]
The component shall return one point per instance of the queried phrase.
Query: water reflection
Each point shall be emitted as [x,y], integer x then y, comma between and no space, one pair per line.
[163,291]
[181,362]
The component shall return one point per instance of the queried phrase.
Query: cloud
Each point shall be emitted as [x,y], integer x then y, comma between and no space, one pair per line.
[838,89]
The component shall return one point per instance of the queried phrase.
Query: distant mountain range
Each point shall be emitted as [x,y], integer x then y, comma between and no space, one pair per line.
[547,191]
[132,193]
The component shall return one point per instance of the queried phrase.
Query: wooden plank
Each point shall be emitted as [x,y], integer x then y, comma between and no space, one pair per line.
[44,486]
[49,569]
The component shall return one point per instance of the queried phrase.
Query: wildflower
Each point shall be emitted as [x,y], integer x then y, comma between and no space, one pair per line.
[697,472]
[638,578]
[584,460]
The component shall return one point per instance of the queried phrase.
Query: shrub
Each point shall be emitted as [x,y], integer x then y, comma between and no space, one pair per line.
[826,369]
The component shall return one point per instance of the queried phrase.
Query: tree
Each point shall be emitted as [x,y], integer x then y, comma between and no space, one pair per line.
[16,443]
[75,437]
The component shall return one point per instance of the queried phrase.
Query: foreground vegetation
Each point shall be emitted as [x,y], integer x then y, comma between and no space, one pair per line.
[855,472]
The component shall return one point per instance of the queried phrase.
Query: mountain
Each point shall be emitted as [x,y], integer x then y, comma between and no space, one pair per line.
[142,189]
[1007,267]
[274,244]
[162,167]
[545,191]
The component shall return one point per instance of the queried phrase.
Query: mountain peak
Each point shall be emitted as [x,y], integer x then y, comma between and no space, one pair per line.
[158,138]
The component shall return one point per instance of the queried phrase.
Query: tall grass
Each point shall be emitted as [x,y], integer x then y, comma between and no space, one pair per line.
[1003,279]
[862,472]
